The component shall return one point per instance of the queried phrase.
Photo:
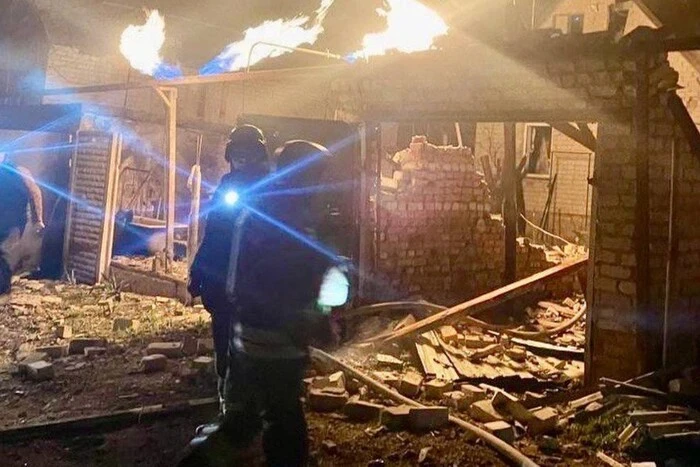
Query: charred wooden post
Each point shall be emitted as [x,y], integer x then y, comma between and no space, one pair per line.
[510,214]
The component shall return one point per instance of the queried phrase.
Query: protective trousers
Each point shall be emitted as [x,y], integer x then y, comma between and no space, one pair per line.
[270,392]
[221,321]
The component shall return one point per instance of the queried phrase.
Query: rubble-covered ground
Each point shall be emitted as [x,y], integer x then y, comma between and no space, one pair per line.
[36,312]
[334,442]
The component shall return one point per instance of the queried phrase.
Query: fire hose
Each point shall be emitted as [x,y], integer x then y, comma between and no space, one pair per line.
[508,330]
[502,447]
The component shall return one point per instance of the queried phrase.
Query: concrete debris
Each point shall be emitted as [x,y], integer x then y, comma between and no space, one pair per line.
[154,363]
[483,411]
[322,401]
[361,411]
[436,389]
[395,418]
[205,346]
[77,346]
[410,384]
[457,400]
[125,324]
[473,393]
[501,430]
[585,401]
[169,349]
[40,371]
[93,351]
[389,361]
[428,418]
[448,334]
[329,446]
[203,364]
[502,398]
[28,359]
[337,380]
[543,421]
[684,387]
[54,351]
[64,332]
[189,346]
[607,460]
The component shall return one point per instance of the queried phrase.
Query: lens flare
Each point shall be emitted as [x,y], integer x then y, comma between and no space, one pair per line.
[411,27]
[231,198]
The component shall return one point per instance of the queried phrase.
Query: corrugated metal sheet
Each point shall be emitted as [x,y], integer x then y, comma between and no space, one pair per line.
[91,217]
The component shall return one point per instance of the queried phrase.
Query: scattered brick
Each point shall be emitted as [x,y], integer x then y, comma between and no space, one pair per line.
[154,363]
[169,349]
[125,324]
[501,430]
[77,346]
[410,384]
[64,332]
[457,400]
[389,361]
[205,346]
[543,421]
[40,371]
[93,351]
[428,418]
[54,351]
[361,411]
[30,358]
[395,418]
[203,364]
[473,393]
[483,411]
[322,401]
[436,389]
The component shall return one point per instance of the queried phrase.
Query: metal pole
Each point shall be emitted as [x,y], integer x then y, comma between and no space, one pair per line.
[671,251]
[169,96]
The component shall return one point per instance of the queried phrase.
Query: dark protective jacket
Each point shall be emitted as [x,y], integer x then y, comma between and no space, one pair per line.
[210,266]
[277,283]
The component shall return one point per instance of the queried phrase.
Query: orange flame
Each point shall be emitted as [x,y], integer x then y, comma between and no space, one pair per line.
[411,27]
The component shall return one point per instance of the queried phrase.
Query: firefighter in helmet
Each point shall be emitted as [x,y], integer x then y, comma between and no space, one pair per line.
[285,282]
[247,155]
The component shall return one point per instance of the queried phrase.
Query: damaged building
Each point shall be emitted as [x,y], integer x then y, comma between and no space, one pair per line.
[518,203]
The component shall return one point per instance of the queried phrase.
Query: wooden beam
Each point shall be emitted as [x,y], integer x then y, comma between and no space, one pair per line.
[510,213]
[490,300]
[584,138]
[377,112]
[685,121]
[195,80]
[587,133]
[50,118]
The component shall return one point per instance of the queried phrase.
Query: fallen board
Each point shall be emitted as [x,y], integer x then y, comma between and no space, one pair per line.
[489,300]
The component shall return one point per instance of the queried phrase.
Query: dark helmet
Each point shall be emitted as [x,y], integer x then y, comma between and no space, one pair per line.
[310,158]
[246,144]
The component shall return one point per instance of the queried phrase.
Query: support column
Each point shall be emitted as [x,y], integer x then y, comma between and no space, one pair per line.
[169,96]
[510,215]
[641,227]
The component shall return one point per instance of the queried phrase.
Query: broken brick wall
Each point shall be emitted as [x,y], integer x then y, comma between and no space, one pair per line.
[438,236]
[438,239]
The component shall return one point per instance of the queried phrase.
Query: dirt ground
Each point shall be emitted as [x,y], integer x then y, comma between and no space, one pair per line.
[161,444]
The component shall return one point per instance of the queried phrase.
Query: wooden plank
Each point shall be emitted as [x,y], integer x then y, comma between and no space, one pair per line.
[491,299]
[584,138]
[550,350]
[510,215]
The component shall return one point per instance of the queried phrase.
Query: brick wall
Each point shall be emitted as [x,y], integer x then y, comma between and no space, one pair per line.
[437,238]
